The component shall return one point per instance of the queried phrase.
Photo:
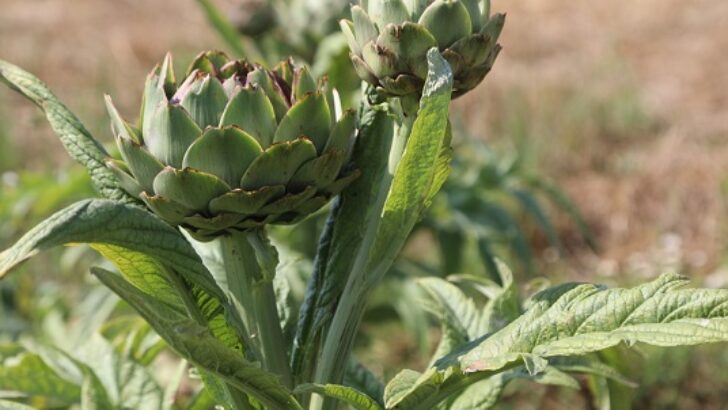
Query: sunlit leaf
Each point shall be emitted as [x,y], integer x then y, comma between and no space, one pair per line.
[79,143]
[356,399]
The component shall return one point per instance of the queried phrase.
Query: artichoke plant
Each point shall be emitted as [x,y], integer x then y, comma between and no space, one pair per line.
[234,146]
[389,40]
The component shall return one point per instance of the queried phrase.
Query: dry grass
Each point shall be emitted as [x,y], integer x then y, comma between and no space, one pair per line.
[643,187]
[639,186]
[83,48]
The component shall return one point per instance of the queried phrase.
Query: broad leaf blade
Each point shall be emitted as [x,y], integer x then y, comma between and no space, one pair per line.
[26,372]
[125,382]
[485,394]
[195,344]
[78,141]
[456,312]
[348,395]
[112,223]
[142,271]
[11,405]
[576,319]
[362,379]
[420,172]
[342,237]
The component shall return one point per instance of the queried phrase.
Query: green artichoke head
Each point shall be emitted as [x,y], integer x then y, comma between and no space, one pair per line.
[234,146]
[389,40]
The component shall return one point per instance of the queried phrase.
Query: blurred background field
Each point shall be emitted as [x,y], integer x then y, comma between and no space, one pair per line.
[623,106]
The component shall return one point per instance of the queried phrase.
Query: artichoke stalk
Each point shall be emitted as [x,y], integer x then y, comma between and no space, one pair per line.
[234,146]
[389,40]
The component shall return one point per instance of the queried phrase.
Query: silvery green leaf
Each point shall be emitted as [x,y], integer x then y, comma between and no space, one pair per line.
[486,394]
[342,236]
[26,372]
[112,223]
[78,141]
[416,177]
[354,398]
[575,319]
[195,344]
[11,405]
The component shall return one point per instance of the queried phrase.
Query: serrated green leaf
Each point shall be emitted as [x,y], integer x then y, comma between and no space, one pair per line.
[362,379]
[457,314]
[461,320]
[195,344]
[380,240]
[112,223]
[588,365]
[142,271]
[416,178]
[11,405]
[348,395]
[345,227]
[485,394]
[77,140]
[108,375]
[93,397]
[578,319]
[574,319]
[29,374]
[400,386]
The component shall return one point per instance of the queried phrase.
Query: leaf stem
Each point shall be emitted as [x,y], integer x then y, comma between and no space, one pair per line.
[244,265]
[339,339]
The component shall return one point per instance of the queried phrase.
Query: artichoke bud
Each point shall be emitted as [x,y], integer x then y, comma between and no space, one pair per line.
[234,146]
[389,39]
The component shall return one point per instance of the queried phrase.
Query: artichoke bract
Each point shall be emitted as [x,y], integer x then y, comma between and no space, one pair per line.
[389,40]
[234,146]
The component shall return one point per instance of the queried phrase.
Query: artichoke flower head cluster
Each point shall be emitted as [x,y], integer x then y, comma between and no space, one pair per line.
[389,40]
[234,146]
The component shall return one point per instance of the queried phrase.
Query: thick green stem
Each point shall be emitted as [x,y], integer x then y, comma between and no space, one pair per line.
[272,342]
[339,340]
[244,265]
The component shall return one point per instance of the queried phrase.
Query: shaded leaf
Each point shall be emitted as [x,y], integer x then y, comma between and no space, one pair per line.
[27,373]
[362,379]
[195,344]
